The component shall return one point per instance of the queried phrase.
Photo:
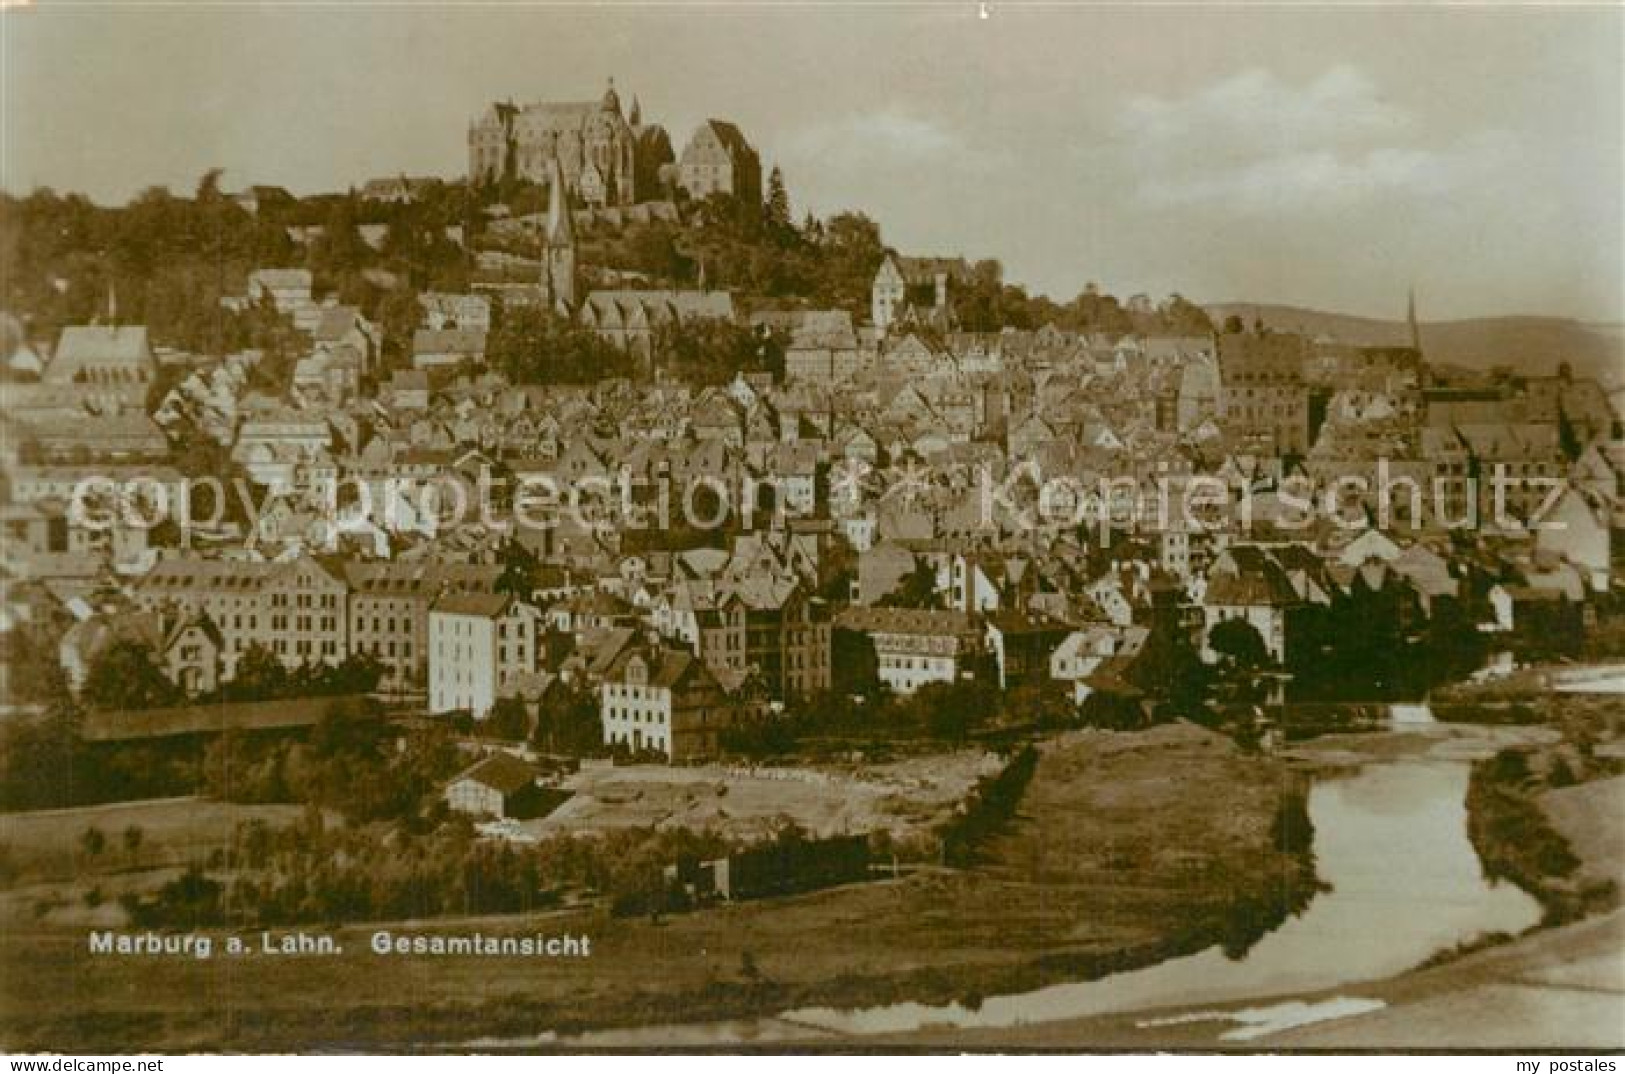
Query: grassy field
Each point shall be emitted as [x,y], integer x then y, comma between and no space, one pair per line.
[1126,849]
[46,845]
[904,797]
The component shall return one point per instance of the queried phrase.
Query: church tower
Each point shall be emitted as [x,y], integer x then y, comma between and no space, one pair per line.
[559,246]
[1410,319]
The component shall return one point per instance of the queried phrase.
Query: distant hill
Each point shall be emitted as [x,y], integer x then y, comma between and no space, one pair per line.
[1528,344]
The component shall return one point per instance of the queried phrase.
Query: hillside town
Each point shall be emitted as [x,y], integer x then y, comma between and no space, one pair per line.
[953,505]
[593,478]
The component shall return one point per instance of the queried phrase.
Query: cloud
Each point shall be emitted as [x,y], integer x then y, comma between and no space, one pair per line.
[1254,144]
[1328,179]
[1257,109]
[888,135]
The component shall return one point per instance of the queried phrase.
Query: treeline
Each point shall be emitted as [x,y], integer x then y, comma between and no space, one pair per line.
[169,259]
[165,261]
[991,802]
[937,714]
[313,871]
[1513,834]
[831,264]
[126,676]
[564,722]
[531,345]
[349,763]
[46,764]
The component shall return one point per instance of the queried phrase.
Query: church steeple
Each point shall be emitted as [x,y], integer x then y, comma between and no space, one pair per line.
[1410,320]
[560,228]
[635,117]
[559,245]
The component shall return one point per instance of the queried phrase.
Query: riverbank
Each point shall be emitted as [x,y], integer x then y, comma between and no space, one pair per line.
[1126,849]
[1553,988]
[1548,819]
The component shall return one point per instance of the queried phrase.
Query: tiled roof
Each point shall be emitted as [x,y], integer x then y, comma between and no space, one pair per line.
[903,621]
[502,772]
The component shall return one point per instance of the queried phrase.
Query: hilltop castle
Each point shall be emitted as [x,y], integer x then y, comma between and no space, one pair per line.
[606,157]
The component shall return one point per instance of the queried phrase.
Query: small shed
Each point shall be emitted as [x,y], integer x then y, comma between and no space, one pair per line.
[500,785]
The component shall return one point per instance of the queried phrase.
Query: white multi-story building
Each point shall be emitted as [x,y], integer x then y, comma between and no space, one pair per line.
[913,647]
[479,645]
[664,700]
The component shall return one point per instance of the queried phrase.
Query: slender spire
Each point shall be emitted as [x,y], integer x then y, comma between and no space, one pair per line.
[1410,319]
[559,247]
[560,228]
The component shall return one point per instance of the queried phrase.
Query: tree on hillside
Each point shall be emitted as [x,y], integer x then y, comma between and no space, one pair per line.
[519,566]
[652,250]
[918,589]
[31,656]
[1182,317]
[1244,660]
[852,251]
[260,676]
[44,762]
[1047,703]
[340,251]
[536,346]
[1095,311]
[357,673]
[132,839]
[708,350]
[778,201]
[1239,643]
[568,722]
[953,710]
[508,720]
[263,328]
[125,675]
[1169,670]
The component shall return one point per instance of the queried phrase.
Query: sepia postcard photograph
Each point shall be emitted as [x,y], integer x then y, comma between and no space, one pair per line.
[793,528]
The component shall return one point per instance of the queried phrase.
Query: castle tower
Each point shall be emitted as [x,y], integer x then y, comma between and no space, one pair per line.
[559,245]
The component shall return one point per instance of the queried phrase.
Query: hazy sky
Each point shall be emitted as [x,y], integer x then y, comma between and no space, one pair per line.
[1326,157]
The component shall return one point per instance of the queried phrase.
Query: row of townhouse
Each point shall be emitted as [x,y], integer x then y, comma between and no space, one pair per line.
[772,628]
[296,608]
[305,611]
